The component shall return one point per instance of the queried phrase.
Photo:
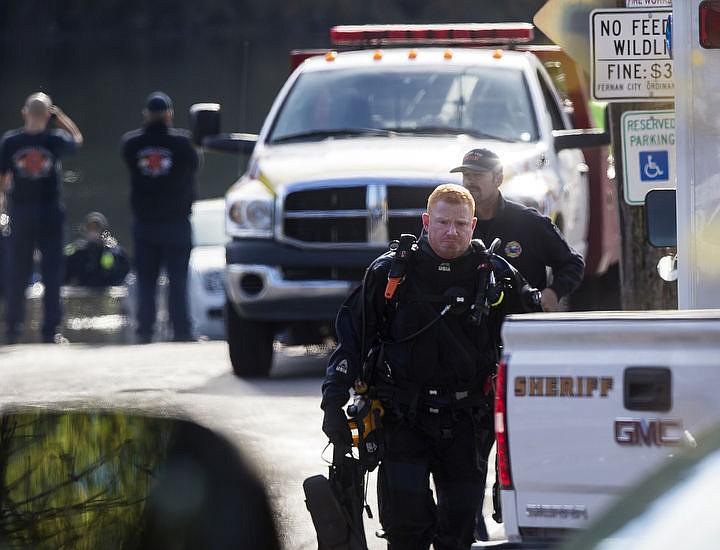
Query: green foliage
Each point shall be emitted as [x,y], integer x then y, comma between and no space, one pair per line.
[77,480]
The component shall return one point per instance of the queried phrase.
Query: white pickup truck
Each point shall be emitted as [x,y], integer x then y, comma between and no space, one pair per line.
[589,403]
[356,140]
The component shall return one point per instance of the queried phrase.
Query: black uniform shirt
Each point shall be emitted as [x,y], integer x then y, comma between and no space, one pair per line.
[34,160]
[531,243]
[162,163]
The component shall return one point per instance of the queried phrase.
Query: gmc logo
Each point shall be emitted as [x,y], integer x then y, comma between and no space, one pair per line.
[658,432]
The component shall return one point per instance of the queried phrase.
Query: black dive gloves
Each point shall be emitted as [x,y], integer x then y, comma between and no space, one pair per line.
[335,424]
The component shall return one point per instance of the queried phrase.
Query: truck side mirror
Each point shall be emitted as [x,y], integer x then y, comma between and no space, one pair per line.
[661,218]
[230,143]
[205,128]
[580,138]
[583,138]
[204,121]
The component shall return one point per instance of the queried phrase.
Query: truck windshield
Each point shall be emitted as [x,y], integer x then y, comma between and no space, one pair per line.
[487,102]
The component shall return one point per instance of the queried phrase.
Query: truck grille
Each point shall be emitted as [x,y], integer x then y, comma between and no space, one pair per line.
[353,215]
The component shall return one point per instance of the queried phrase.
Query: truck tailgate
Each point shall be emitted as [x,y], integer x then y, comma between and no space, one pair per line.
[595,401]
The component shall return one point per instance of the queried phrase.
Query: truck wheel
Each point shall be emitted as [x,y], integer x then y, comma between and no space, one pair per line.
[250,344]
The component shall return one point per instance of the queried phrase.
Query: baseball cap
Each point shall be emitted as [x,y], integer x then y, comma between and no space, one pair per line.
[97,218]
[479,160]
[158,102]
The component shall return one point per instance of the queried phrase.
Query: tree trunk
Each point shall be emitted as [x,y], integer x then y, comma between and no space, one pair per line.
[640,285]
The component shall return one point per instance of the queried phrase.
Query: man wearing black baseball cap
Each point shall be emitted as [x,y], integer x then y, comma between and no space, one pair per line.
[158,102]
[530,242]
[163,164]
[479,160]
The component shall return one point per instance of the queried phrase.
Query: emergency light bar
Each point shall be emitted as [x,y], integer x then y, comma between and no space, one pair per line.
[467,34]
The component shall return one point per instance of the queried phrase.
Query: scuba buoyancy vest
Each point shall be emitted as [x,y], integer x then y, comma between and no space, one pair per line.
[423,346]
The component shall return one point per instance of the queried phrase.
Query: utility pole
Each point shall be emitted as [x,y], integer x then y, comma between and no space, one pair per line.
[640,285]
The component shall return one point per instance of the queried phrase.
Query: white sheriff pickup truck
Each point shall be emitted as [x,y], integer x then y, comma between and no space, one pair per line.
[587,404]
[354,143]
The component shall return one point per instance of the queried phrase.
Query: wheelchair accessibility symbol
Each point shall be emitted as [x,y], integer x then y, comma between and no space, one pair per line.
[654,166]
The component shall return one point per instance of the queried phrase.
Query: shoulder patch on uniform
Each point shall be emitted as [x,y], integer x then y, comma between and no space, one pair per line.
[342,366]
[513,249]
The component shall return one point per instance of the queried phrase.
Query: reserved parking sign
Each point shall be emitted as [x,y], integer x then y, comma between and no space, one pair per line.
[648,145]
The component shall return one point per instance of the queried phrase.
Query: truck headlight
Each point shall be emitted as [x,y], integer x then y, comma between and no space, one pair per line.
[250,211]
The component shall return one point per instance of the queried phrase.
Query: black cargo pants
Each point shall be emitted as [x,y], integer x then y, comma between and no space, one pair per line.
[442,445]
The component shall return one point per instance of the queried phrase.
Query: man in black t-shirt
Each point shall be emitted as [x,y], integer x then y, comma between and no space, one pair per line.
[162,163]
[30,174]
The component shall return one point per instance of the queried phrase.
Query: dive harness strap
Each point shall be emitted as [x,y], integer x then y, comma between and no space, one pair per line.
[434,399]
[402,248]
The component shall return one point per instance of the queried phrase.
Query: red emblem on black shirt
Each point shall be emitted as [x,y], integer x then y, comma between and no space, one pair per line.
[154,161]
[33,162]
